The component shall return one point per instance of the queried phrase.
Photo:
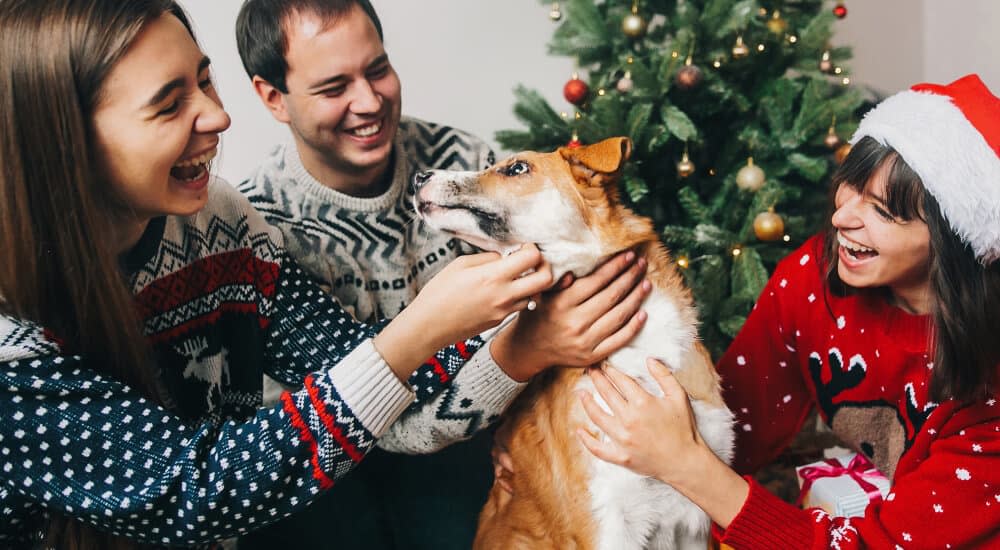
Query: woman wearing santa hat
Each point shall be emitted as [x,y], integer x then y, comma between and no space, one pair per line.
[886,323]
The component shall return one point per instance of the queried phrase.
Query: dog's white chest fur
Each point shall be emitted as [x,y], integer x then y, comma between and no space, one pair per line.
[632,511]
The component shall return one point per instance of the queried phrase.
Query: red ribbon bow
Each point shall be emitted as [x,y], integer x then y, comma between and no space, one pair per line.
[858,468]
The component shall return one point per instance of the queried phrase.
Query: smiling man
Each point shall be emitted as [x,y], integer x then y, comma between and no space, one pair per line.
[340,193]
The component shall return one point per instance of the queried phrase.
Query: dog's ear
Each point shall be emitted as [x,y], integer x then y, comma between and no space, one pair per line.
[600,163]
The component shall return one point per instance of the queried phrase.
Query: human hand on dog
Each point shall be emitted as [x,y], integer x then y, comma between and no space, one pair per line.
[646,433]
[657,437]
[470,295]
[579,323]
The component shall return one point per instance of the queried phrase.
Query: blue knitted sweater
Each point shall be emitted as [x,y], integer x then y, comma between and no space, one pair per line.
[222,304]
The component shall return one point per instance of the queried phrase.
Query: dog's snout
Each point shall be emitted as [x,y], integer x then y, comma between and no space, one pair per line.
[422,177]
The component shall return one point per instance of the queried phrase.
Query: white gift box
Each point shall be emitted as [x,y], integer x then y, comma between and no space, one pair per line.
[842,486]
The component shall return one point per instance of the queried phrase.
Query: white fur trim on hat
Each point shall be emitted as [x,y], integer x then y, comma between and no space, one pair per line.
[954,161]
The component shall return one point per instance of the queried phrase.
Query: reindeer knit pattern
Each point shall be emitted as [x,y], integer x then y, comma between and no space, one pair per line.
[221,304]
[866,364]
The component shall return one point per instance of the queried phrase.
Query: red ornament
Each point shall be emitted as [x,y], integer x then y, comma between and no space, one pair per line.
[575,91]
[840,10]
[574,143]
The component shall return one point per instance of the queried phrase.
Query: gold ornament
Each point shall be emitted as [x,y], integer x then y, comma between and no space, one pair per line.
[776,23]
[685,167]
[555,13]
[750,177]
[768,226]
[832,140]
[825,65]
[625,85]
[633,25]
[740,50]
[841,153]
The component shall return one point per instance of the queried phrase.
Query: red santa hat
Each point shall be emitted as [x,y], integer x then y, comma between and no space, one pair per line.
[950,135]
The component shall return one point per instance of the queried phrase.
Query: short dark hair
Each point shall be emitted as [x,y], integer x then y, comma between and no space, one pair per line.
[261,32]
[963,312]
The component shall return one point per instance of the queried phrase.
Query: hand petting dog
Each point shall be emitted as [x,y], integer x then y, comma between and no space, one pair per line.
[656,436]
[579,323]
[465,277]
[647,434]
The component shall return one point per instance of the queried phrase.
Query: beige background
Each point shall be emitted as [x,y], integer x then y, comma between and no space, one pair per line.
[460,59]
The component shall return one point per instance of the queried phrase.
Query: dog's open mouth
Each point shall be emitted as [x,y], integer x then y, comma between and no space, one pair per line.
[427,208]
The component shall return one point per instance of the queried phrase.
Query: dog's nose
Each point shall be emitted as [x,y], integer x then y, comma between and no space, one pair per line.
[423,177]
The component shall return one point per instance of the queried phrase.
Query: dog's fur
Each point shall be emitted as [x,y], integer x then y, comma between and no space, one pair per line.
[567,203]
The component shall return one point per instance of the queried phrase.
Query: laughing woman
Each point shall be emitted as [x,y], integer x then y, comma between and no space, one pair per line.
[142,301]
[887,324]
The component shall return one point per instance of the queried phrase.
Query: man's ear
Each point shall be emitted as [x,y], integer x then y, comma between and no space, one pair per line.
[601,162]
[272,98]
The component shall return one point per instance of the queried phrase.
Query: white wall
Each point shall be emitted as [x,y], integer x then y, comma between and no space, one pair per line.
[962,37]
[460,59]
[887,39]
[898,43]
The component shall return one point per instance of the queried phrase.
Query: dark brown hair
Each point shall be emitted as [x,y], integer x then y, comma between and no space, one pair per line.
[966,293]
[58,266]
[262,33]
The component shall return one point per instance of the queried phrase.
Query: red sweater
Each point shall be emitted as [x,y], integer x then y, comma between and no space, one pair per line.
[864,364]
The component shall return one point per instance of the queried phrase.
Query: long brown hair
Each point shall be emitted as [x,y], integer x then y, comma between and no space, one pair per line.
[58,266]
[964,313]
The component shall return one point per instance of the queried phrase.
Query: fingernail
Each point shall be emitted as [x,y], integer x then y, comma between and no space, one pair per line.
[654,363]
[629,256]
[647,285]
[641,263]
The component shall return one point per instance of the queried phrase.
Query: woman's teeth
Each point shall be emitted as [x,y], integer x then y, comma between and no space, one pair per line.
[367,131]
[856,250]
[192,168]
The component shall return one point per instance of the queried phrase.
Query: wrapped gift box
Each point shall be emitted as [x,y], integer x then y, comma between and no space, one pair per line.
[843,486]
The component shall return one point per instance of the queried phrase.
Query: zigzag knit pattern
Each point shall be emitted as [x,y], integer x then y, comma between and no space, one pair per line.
[374,254]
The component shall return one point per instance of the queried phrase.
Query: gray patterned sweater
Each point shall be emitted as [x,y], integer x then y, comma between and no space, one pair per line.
[374,255]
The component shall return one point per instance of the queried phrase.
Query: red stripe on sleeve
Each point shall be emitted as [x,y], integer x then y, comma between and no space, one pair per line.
[331,426]
[439,370]
[286,402]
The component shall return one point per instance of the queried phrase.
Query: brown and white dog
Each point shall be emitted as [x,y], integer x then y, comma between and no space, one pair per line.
[567,203]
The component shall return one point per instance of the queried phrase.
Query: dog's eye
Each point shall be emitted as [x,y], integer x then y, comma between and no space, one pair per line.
[515,169]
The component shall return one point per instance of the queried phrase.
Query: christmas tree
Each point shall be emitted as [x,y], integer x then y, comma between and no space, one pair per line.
[735,109]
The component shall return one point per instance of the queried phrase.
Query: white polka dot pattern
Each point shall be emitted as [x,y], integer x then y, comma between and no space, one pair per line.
[78,442]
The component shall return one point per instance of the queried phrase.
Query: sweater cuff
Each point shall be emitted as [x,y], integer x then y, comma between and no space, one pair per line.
[766,521]
[484,378]
[370,388]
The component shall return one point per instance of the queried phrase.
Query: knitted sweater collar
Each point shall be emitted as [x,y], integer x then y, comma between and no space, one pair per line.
[301,177]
